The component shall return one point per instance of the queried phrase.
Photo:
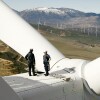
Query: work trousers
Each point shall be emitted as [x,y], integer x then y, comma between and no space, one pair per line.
[31,66]
[46,66]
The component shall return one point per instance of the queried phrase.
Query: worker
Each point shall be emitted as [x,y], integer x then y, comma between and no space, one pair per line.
[31,62]
[46,59]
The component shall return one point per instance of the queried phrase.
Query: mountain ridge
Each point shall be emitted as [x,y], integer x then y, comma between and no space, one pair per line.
[55,16]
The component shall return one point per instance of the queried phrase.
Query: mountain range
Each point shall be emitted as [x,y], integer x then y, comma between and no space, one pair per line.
[60,17]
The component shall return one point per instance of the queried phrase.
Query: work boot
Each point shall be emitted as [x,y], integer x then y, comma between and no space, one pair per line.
[34,74]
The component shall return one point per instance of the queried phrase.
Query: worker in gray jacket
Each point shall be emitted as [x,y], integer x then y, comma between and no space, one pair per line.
[46,59]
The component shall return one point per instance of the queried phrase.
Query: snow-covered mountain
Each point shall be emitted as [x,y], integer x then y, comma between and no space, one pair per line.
[56,16]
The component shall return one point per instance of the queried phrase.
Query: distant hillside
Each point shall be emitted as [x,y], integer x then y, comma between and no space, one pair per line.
[61,17]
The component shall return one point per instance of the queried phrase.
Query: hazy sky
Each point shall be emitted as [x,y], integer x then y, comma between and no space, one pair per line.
[82,5]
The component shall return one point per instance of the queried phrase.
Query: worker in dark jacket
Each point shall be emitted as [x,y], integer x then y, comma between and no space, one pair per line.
[46,59]
[31,62]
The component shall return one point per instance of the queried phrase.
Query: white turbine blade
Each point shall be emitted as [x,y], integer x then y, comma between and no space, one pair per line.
[19,35]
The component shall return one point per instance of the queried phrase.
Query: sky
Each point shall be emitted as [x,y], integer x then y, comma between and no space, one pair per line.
[82,5]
